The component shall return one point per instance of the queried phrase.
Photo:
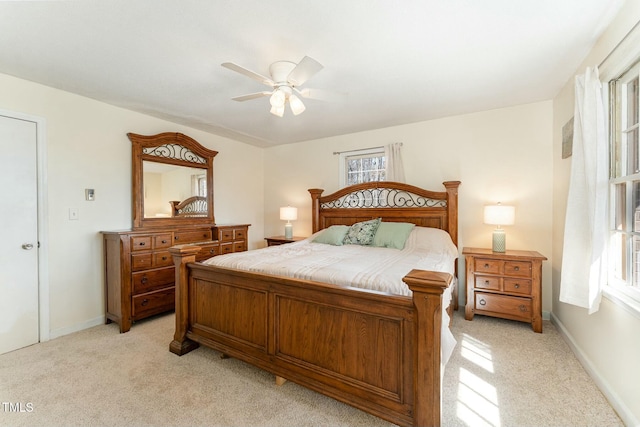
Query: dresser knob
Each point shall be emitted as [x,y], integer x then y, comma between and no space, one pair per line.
[164,241]
[142,243]
[145,302]
[144,280]
[176,238]
[164,258]
[516,268]
[486,266]
[482,302]
[523,308]
[517,286]
[486,282]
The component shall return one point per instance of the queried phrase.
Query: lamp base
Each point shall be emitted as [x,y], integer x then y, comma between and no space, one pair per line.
[288,231]
[499,240]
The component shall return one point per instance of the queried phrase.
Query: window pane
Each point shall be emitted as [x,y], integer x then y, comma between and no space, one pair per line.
[632,152]
[618,258]
[620,207]
[635,279]
[632,102]
[636,206]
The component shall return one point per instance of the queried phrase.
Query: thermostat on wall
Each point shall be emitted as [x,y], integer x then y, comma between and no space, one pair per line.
[89,194]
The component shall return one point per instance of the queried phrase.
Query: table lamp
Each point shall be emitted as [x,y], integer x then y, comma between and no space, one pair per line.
[289,214]
[499,215]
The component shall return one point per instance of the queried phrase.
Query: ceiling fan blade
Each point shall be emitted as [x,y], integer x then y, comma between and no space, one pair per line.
[304,71]
[321,95]
[251,96]
[237,68]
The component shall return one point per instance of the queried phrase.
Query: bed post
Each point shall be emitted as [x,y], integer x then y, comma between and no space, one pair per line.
[182,255]
[452,209]
[315,208]
[427,288]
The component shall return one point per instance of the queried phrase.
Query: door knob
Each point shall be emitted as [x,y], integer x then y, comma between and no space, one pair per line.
[27,246]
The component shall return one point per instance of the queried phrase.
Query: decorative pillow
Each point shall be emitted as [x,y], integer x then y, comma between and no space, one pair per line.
[333,235]
[362,233]
[392,234]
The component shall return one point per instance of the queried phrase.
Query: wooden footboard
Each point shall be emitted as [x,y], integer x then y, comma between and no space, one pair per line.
[377,352]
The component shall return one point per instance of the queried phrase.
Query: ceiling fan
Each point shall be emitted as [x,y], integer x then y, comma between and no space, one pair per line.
[286,78]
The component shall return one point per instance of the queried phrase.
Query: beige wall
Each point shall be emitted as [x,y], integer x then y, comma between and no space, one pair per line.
[87,147]
[499,155]
[607,342]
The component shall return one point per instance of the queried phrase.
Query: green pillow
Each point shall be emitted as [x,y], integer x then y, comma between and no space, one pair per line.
[392,234]
[361,233]
[333,235]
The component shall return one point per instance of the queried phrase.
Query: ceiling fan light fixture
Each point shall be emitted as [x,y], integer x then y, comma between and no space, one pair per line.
[277,110]
[297,107]
[278,98]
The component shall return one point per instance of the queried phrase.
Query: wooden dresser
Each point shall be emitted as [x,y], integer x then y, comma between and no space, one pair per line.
[139,271]
[506,285]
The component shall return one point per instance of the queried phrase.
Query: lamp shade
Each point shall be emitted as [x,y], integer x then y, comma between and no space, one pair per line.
[289,213]
[499,214]
[296,105]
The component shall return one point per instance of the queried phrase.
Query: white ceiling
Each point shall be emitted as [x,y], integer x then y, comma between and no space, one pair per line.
[399,61]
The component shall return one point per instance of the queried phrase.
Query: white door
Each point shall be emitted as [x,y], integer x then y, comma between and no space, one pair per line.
[19,236]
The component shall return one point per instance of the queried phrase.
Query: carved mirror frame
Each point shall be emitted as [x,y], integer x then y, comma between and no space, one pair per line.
[174,149]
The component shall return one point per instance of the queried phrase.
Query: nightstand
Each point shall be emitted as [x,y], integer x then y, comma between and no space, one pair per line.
[281,240]
[506,285]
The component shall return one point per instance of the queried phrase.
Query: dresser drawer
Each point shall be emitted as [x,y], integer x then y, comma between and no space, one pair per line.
[162,241]
[226,235]
[141,261]
[489,266]
[207,252]
[517,268]
[517,286]
[153,303]
[239,234]
[201,235]
[162,259]
[488,282]
[239,246]
[146,281]
[226,248]
[141,243]
[514,307]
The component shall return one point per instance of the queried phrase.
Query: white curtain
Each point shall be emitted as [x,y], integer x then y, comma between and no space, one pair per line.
[584,258]
[395,168]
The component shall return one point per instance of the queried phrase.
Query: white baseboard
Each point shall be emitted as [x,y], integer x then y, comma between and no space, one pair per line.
[628,418]
[78,327]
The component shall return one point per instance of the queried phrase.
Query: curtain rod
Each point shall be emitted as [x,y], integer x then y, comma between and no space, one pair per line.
[619,43]
[359,149]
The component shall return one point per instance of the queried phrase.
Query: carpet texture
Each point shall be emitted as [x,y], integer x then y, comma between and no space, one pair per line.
[501,374]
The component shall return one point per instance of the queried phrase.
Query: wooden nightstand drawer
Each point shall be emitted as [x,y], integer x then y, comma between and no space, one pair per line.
[207,252]
[489,266]
[517,268]
[162,259]
[517,286]
[488,282]
[239,234]
[510,306]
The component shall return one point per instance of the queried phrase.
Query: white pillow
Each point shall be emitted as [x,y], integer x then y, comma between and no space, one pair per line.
[433,239]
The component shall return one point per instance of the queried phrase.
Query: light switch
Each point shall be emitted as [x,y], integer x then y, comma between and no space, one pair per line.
[73,213]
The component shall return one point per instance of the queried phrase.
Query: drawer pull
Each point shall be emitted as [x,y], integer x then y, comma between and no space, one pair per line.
[486,282]
[144,280]
[145,302]
[164,258]
[176,238]
[517,286]
[141,243]
[516,268]
[164,241]
[483,302]
[212,251]
[523,308]
[486,266]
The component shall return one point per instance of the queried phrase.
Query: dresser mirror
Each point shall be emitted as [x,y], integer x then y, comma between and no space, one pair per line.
[172,181]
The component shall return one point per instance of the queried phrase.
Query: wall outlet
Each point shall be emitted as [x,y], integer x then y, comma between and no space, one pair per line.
[73,214]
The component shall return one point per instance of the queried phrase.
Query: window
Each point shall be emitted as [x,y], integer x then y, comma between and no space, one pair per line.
[362,166]
[624,245]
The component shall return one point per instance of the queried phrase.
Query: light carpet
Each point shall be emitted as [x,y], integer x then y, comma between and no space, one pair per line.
[501,374]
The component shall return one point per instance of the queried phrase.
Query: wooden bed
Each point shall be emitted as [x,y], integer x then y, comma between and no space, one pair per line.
[377,352]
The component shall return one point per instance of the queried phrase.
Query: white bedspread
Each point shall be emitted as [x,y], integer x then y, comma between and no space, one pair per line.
[374,268]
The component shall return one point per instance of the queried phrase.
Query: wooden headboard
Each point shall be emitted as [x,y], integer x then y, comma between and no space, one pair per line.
[391,201]
[193,206]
